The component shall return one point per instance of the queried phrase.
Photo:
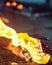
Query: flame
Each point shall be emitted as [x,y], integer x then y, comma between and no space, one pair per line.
[8,32]
[23,42]
[34,48]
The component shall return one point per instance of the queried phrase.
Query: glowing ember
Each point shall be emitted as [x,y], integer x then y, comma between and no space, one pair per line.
[23,42]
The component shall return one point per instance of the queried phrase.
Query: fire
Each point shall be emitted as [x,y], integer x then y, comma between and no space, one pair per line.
[34,48]
[23,42]
[8,32]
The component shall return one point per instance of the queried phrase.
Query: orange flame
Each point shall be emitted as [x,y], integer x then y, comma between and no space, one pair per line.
[23,42]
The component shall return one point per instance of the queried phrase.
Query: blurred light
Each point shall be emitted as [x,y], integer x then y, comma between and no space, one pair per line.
[8,3]
[20,6]
[5,20]
[14,3]
[14,63]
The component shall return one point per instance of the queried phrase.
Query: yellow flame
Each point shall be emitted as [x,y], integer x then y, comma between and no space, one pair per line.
[32,45]
[8,32]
